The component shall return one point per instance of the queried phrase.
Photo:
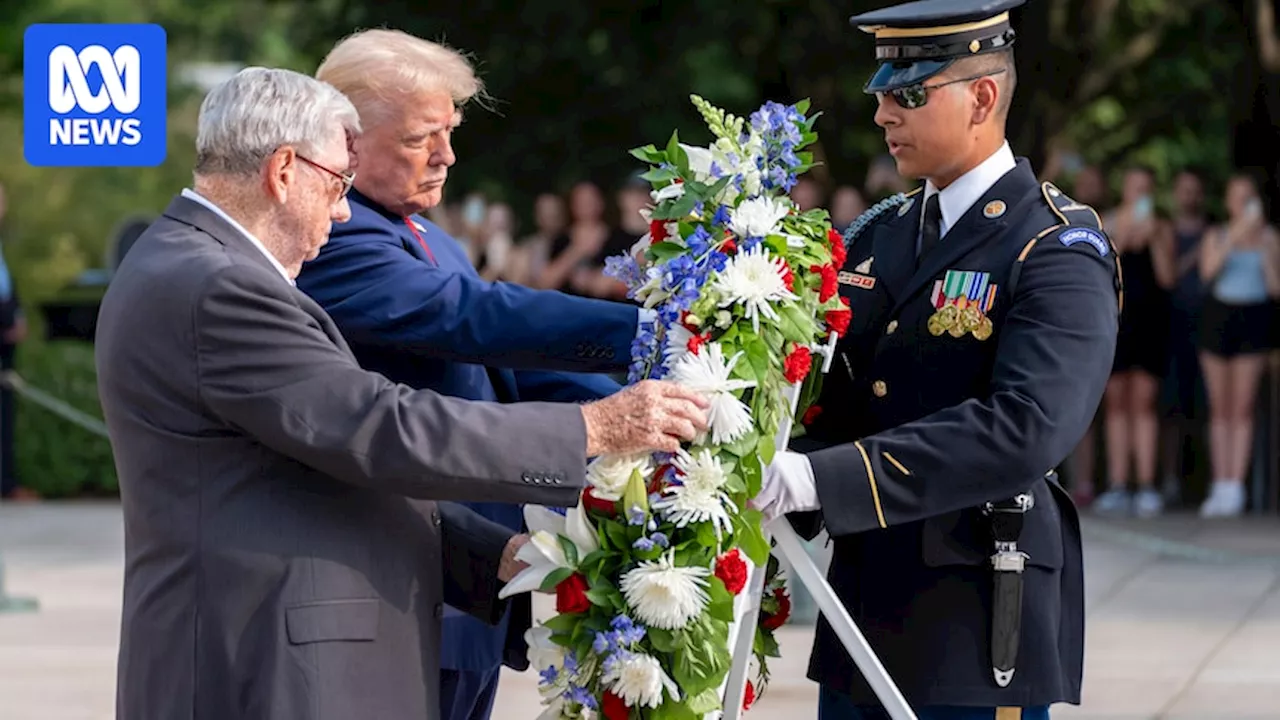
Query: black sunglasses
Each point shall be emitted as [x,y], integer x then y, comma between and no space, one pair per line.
[347,179]
[911,97]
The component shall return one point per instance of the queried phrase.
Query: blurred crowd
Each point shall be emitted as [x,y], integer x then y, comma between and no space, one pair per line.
[1199,321]
[572,234]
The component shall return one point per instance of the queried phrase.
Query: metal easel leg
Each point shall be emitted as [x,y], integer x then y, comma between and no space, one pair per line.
[741,639]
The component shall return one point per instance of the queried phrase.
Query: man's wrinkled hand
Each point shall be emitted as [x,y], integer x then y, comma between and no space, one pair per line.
[788,486]
[651,415]
[509,566]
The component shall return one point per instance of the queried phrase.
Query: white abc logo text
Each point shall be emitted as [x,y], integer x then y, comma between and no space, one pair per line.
[69,89]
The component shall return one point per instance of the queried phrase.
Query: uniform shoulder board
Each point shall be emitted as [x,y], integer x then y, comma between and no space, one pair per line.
[1077,223]
[875,212]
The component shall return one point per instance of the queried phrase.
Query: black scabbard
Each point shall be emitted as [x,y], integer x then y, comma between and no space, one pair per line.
[1006,624]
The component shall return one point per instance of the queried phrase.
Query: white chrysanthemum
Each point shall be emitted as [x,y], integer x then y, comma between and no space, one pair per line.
[700,496]
[639,680]
[609,474]
[678,337]
[543,553]
[708,373]
[758,217]
[663,595]
[756,280]
[648,293]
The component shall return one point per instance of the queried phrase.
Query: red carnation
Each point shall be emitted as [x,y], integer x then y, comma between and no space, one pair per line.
[732,570]
[830,283]
[838,320]
[797,364]
[697,342]
[749,698]
[571,595]
[729,247]
[658,230]
[655,484]
[838,253]
[614,707]
[811,414]
[591,502]
[789,278]
[778,619]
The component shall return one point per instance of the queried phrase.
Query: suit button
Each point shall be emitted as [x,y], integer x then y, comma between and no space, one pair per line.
[879,388]
[526,477]
[435,518]
[892,328]
[439,611]
[556,479]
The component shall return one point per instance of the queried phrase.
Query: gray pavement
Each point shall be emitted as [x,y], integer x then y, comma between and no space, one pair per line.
[1184,622]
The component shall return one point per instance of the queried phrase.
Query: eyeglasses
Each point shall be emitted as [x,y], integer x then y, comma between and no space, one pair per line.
[347,179]
[912,97]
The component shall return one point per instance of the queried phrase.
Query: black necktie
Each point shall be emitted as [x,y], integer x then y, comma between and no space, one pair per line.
[931,231]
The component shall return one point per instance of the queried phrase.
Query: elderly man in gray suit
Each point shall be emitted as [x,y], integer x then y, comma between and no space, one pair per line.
[284,556]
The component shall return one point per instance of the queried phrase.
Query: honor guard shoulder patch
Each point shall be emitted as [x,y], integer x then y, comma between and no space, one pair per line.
[1089,235]
[1068,210]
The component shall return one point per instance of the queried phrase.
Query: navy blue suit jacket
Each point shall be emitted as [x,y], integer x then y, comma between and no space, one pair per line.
[407,299]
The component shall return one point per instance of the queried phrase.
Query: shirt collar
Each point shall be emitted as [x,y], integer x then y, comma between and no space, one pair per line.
[197,197]
[956,199]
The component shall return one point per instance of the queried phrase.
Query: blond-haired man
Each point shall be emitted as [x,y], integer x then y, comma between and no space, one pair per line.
[407,298]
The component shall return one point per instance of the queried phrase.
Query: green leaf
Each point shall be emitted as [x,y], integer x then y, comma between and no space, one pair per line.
[707,535]
[563,623]
[765,644]
[649,154]
[570,550]
[554,578]
[672,709]
[802,106]
[617,535]
[758,356]
[662,640]
[659,175]
[600,598]
[752,473]
[704,702]
[805,324]
[735,484]
[744,444]
[750,537]
[664,251]
[720,605]
[765,449]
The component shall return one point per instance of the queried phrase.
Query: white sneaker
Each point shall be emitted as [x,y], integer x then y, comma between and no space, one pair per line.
[1147,503]
[1226,499]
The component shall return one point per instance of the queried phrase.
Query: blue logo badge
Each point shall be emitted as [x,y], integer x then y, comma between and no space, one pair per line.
[1093,237]
[94,95]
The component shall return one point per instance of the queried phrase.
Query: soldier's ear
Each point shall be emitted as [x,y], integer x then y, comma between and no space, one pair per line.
[986,97]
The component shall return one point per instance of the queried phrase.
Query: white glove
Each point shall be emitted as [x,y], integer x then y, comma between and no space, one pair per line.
[788,486]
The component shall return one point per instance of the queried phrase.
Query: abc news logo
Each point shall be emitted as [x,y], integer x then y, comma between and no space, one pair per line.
[95,95]
[69,89]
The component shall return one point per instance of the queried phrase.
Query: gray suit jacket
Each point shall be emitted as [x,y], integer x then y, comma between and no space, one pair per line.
[277,563]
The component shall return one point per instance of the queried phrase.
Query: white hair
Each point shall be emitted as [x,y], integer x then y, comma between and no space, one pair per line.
[246,118]
[376,67]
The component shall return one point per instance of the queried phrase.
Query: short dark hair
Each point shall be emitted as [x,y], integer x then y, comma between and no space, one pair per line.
[1000,65]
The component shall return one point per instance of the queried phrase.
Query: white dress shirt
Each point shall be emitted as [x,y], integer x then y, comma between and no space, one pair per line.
[959,196]
[197,197]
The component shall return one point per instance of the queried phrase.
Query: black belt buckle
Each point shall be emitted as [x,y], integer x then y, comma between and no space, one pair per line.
[1008,563]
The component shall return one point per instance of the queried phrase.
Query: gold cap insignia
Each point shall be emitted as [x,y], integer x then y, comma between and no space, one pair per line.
[975,46]
[994,209]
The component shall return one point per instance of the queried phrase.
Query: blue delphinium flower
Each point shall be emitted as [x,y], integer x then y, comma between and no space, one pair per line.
[548,675]
[643,544]
[635,516]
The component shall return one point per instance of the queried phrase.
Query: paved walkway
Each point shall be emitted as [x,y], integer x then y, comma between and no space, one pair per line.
[1184,622]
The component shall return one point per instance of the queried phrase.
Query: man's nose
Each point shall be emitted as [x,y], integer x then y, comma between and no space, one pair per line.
[444,154]
[887,111]
[341,211]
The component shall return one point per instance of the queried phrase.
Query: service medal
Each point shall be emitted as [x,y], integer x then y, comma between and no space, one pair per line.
[984,328]
[969,319]
[936,325]
[947,315]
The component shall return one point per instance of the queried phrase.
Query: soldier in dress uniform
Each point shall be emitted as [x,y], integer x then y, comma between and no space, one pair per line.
[985,310]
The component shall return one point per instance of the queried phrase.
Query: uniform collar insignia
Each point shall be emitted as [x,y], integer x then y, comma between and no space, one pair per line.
[864,267]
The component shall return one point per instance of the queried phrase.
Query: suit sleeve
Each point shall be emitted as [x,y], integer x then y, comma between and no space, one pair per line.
[269,370]
[551,386]
[382,296]
[472,548]
[1052,364]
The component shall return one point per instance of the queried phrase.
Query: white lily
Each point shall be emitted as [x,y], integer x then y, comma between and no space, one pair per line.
[543,553]
[674,190]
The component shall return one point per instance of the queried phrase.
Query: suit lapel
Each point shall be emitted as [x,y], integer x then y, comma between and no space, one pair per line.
[972,230]
[894,247]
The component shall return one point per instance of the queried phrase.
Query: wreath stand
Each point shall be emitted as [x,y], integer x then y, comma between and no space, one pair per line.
[742,632]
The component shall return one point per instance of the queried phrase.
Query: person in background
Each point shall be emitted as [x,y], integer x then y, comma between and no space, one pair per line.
[807,194]
[847,204]
[1240,265]
[1089,187]
[1182,387]
[576,253]
[530,255]
[13,330]
[496,242]
[1144,242]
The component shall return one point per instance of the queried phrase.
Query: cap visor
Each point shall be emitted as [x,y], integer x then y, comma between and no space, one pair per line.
[892,75]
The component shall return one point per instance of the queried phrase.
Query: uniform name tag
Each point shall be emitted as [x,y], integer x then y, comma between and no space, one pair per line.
[858,280]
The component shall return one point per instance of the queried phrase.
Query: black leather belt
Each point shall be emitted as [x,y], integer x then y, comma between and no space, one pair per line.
[1008,561]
